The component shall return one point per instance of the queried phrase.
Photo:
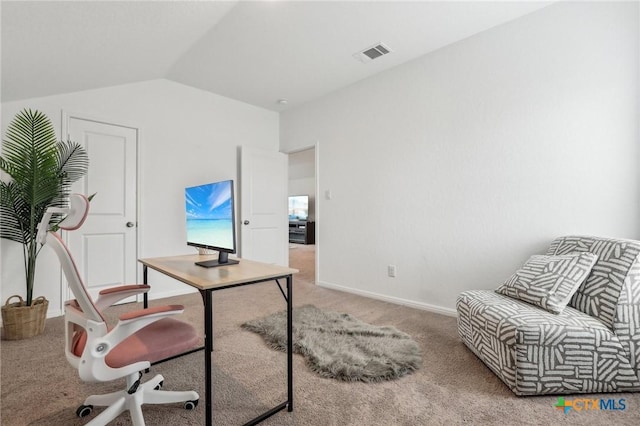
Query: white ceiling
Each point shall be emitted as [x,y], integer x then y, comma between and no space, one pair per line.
[253,51]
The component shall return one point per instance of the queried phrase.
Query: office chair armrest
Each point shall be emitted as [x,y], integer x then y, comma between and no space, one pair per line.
[110,296]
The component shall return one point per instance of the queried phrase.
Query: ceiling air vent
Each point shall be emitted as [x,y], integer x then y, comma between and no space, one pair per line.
[372,52]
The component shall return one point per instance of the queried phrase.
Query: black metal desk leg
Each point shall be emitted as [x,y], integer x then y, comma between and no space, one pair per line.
[208,348]
[204,303]
[145,280]
[290,343]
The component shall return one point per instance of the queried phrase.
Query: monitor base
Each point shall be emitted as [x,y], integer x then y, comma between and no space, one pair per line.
[213,263]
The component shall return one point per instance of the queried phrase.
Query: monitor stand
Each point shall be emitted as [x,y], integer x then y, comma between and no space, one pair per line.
[223,260]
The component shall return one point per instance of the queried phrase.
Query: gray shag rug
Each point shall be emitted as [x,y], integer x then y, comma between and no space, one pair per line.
[338,346]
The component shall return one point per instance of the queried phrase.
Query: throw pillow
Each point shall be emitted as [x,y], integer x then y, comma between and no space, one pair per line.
[549,281]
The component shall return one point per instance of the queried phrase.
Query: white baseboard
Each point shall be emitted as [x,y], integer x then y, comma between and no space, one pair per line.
[54,313]
[391,299]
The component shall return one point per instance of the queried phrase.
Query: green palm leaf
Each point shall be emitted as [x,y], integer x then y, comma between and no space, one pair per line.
[41,171]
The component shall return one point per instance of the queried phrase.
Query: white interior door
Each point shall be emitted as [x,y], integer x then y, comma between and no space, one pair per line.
[264,227]
[105,248]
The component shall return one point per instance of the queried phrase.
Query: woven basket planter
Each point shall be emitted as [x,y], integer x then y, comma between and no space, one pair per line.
[20,321]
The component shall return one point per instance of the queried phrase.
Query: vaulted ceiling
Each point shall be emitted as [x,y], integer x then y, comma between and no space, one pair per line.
[254,51]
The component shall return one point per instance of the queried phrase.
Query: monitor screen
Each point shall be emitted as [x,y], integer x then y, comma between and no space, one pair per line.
[299,207]
[211,217]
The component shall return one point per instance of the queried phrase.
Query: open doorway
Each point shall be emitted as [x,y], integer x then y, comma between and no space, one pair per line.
[302,219]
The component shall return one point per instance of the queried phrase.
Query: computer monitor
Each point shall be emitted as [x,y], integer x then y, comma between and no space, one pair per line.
[298,207]
[210,217]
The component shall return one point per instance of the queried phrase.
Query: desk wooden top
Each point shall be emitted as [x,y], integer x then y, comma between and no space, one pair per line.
[183,268]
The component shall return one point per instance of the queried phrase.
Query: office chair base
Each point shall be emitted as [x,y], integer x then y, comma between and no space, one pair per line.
[120,401]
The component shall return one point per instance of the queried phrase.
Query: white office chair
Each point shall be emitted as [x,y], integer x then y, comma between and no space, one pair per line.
[103,353]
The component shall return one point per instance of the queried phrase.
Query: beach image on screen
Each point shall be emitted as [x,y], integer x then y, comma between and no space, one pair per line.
[209,211]
[298,207]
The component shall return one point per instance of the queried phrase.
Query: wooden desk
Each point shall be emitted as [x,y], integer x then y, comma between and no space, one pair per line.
[208,280]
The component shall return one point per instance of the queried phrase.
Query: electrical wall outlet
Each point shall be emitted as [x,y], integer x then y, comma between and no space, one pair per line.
[391,271]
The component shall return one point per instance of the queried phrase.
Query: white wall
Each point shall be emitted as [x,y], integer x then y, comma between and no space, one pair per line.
[187,137]
[459,165]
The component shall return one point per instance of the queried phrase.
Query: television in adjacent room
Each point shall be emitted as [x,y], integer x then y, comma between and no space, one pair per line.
[210,215]
[298,207]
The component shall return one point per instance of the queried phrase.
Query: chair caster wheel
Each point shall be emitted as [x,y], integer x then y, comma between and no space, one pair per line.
[191,405]
[159,385]
[84,410]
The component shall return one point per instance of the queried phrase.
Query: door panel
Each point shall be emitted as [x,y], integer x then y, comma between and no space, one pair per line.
[100,249]
[105,248]
[263,209]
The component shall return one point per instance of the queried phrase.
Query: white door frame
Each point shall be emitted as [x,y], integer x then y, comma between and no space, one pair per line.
[66,115]
[316,147]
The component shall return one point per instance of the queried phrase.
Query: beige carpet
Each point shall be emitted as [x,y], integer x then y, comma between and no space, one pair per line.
[452,386]
[303,258]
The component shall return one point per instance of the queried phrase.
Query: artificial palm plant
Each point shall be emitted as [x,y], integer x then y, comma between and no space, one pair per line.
[41,171]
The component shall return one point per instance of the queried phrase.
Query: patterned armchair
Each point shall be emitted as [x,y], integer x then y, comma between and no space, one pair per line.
[592,345]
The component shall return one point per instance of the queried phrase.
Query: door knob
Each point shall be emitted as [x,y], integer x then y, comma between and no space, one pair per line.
[130,224]
[246,222]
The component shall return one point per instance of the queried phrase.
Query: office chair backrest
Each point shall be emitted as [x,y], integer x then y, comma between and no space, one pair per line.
[76,215]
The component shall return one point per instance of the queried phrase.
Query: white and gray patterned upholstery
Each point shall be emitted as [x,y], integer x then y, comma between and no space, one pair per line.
[549,281]
[593,345]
